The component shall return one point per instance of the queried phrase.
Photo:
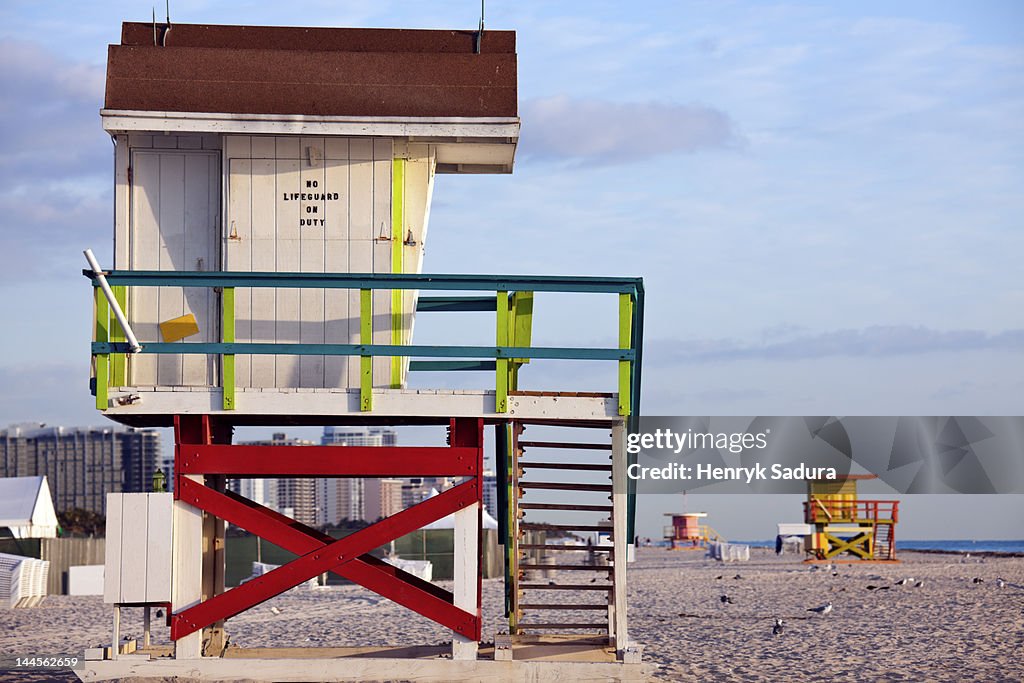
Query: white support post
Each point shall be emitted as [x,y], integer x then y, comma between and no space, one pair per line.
[467,566]
[187,572]
[620,506]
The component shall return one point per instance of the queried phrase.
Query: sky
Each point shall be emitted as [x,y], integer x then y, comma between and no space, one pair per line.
[824,201]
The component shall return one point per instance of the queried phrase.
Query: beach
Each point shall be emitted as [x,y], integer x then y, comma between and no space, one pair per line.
[949,628]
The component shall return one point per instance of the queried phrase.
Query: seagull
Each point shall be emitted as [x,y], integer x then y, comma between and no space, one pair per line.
[824,609]
[903,582]
[777,629]
[718,577]
[737,577]
[919,584]
[275,610]
[977,580]
[835,573]
[1000,583]
[726,600]
[872,588]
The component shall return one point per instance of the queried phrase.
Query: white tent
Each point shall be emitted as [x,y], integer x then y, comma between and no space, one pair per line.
[449,521]
[26,507]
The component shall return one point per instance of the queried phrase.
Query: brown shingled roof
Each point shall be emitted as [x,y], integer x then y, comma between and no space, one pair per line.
[313,71]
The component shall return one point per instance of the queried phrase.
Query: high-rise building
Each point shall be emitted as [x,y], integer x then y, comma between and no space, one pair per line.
[82,464]
[490,493]
[347,498]
[350,436]
[383,498]
[343,499]
[297,497]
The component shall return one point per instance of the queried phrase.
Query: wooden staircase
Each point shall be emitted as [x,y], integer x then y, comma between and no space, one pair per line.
[563,586]
[884,546]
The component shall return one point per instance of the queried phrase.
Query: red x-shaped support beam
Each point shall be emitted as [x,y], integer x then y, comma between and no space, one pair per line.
[320,553]
[347,557]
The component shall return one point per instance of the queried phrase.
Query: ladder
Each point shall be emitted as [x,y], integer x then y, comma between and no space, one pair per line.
[562,581]
[884,546]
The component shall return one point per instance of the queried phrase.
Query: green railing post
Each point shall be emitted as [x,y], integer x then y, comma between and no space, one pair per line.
[227,304]
[102,359]
[625,341]
[365,361]
[119,361]
[501,365]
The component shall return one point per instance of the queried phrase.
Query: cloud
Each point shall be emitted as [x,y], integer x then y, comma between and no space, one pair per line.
[55,160]
[875,342]
[601,132]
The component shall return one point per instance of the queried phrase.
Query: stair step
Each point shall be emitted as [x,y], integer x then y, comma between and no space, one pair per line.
[565,506]
[568,567]
[559,546]
[589,467]
[602,628]
[562,444]
[540,526]
[564,587]
[565,486]
[547,606]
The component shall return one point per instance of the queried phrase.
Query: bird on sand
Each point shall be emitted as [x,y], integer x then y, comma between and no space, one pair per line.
[737,577]
[977,580]
[919,584]
[726,600]
[877,588]
[824,609]
[1000,583]
[903,582]
[777,629]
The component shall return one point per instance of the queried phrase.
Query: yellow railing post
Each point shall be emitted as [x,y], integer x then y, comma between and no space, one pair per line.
[228,335]
[119,361]
[102,330]
[502,364]
[625,342]
[366,361]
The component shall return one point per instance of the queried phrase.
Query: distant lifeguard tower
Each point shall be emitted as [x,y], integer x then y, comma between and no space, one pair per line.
[272,191]
[687,532]
[847,526]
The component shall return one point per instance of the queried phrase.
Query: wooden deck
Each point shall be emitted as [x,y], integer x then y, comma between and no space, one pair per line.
[156,406]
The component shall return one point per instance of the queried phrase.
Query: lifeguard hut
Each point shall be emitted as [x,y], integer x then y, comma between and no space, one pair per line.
[688,532]
[847,526]
[272,194]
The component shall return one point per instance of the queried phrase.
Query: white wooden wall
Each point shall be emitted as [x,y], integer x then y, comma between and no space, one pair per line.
[138,548]
[161,223]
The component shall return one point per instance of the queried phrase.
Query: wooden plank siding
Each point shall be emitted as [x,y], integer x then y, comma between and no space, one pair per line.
[272,227]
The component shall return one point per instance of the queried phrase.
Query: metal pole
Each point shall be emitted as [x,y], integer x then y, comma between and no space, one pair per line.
[116,307]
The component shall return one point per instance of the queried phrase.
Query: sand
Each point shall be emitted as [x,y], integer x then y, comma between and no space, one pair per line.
[948,629]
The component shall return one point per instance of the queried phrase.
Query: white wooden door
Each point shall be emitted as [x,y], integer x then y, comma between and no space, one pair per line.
[313,205]
[175,216]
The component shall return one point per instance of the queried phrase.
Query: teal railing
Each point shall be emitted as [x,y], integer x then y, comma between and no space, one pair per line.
[512,301]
